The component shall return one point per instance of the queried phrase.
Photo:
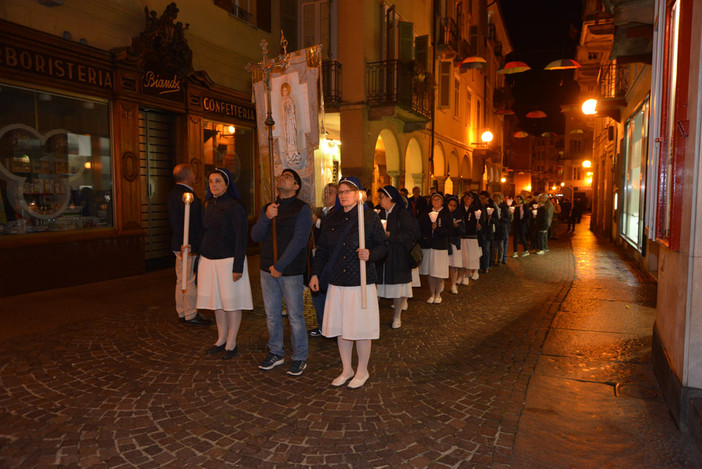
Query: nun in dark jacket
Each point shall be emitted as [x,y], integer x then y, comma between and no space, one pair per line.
[455,256]
[471,212]
[436,226]
[402,231]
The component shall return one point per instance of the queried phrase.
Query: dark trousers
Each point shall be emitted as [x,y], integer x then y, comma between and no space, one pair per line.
[520,237]
[542,243]
[318,300]
[485,258]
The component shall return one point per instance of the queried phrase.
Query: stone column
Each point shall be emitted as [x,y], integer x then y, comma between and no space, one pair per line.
[394,178]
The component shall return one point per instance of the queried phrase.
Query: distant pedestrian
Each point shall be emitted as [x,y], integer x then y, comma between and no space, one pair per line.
[488,221]
[436,227]
[520,225]
[185,301]
[541,223]
[502,226]
[223,274]
[282,278]
[395,271]
[337,263]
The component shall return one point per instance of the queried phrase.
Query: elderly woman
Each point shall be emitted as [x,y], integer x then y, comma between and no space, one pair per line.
[455,255]
[395,272]
[470,248]
[337,261]
[436,227]
[223,277]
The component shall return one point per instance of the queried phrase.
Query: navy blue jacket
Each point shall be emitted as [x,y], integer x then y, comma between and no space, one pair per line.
[226,229]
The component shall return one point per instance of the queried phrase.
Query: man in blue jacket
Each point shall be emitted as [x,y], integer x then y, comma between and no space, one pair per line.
[283,278]
[185,300]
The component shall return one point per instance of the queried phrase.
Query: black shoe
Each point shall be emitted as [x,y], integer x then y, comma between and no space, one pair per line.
[270,362]
[229,354]
[198,320]
[316,332]
[215,349]
[297,367]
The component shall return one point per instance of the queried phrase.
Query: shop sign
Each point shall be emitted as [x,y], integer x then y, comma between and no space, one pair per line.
[228,109]
[44,65]
[162,83]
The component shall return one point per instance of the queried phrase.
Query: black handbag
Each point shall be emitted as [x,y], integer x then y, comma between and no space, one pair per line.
[416,256]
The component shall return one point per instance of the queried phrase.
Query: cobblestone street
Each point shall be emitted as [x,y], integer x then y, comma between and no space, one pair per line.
[508,373]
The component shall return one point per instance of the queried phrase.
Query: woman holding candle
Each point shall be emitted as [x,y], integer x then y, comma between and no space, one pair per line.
[395,272]
[470,248]
[223,278]
[455,255]
[339,260]
[436,227]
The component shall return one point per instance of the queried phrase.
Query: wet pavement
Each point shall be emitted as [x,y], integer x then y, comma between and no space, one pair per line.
[543,362]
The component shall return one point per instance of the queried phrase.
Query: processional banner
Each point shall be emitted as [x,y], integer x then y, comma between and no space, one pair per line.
[294,107]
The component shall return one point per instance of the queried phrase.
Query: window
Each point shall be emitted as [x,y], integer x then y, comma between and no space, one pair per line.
[478,121]
[593,55]
[444,84]
[456,98]
[55,162]
[636,136]
[576,173]
[469,106]
[315,24]
[231,147]
[576,146]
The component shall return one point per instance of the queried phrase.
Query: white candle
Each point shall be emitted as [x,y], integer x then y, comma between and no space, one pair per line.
[187,200]
[362,245]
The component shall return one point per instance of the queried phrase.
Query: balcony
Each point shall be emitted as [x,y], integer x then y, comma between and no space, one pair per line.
[331,82]
[394,90]
[613,81]
[448,37]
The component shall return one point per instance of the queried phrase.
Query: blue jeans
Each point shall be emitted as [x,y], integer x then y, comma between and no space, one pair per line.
[485,258]
[318,300]
[503,244]
[273,290]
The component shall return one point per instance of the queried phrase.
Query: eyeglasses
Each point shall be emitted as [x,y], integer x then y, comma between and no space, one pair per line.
[344,192]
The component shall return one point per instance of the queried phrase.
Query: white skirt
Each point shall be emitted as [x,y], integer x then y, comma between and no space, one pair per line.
[435,263]
[416,282]
[471,252]
[217,290]
[398,290]
[455,258]
[344,317]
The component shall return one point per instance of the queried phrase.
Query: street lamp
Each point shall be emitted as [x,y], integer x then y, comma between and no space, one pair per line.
[587,164]
[486,137]
[503,180]
[590,107]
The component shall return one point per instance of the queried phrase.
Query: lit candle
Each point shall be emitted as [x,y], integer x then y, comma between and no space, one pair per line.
[362,245]
[187,200]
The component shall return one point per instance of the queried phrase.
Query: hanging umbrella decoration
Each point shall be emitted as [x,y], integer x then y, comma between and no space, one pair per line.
[563,64]
[549,134]
[535,115]
[520,134]
[511,68]
[505,112]
[474,61]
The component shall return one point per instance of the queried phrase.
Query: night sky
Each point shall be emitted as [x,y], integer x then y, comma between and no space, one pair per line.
[542,31]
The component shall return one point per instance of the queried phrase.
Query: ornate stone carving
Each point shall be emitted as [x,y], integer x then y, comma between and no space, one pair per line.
[130,166]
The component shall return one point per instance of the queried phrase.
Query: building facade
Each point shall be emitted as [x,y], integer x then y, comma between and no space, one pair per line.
[100,100]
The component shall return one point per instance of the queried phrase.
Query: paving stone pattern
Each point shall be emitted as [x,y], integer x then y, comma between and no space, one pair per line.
[104,375]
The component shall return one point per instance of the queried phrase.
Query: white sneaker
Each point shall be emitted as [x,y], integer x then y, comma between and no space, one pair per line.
[437,300]
[526,253]
[466,281]
[515,255]
[430,300]
[476,276]
[454,290]
[540,253]
[396,324]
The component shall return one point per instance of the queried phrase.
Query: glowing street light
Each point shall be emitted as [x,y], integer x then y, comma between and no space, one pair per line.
[503,180]
[590,107]
[587,164]
[486,137]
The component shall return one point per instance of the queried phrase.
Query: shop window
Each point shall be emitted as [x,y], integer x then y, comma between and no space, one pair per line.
[55,163]
[232,147]
[636,136]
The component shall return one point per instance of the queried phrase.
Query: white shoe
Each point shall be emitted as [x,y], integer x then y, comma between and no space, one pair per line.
[357,382]
[396,324]
[466,281]
[454,290]
[430,300]
[515,255]
[476,276]
[437,300]
[540,253]
[526,253]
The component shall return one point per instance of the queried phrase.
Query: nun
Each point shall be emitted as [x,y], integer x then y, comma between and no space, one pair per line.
[435,226]
[223,276]
[402,232]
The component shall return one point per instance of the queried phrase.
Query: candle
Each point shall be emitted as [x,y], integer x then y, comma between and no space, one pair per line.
[187,200]
[433,215]
[478,213]
[489,211]
[362,245]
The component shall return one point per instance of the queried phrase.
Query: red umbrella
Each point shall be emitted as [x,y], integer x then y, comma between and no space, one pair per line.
[505,112]
[520,134]
[474,61]
[549,134]
[536,115]
[514,67]
[563,64]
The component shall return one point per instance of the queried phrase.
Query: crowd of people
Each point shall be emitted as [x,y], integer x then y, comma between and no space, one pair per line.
[449,239]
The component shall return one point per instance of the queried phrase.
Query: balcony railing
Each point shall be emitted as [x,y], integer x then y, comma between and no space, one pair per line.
[448,35]
[390,83]
[331,81]
[235,10]
[613,81]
